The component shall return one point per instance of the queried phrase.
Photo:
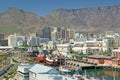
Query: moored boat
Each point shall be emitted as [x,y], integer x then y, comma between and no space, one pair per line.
[50,61]
[64,69]
[41,57]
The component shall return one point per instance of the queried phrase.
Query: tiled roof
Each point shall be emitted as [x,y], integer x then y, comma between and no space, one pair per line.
[100,56]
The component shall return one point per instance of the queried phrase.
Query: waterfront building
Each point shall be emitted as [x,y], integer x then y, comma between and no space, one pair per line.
[104,60]
[90,46]
[109,34]
[42,72]
[115,62]
[39,72]
[23,71]
[116,55]
[100,59]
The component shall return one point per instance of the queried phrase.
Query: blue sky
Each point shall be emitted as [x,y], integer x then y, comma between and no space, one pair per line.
[44,7]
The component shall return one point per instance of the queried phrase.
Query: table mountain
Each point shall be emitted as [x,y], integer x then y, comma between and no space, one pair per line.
[99,18]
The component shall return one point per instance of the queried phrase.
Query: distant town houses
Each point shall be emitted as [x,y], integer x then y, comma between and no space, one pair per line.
[48,37]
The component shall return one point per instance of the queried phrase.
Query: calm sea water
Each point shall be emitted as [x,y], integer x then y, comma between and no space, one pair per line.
[103,73]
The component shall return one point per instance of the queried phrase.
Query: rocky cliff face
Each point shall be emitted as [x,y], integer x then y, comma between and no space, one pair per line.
[100,18]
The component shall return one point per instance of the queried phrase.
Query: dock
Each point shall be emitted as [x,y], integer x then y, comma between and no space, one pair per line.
[86,65]
[80,64]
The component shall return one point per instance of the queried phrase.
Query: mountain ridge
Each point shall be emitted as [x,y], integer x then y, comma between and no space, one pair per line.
[83,19]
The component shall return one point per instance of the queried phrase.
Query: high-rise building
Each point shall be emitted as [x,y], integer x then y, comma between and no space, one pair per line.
[47,33]
[36,41]
[71,33]
[1,36]
[3,42]
[39,34]
[14,40]
[63,33]
[55,33]
[44,33]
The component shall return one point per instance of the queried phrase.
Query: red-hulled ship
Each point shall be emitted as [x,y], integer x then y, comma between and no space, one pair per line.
[50,61]
[41,57]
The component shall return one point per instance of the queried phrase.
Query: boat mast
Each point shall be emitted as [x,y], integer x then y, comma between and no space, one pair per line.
[60,55]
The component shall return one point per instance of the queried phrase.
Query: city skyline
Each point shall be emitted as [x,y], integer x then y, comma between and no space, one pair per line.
[44,7]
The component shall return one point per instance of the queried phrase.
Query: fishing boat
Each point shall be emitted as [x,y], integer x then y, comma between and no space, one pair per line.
[64,69]
[51,61]
[41,56]
[76,75]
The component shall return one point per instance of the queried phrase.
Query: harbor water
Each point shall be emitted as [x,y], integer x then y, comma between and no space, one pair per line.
[104,74]
[101,74]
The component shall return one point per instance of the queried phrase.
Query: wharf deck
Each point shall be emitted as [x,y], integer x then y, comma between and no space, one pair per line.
[77,64]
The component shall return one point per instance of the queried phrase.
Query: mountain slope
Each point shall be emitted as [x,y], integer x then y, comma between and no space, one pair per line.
[99,18]
[87,18]
[19,21]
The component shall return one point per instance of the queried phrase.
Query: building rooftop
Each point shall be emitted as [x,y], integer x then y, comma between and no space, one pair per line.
[41,69]
[24,68]
[100,56]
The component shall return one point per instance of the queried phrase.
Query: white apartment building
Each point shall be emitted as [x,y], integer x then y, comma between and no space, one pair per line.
[63,47]
[14,40]
[91,46]
[55,34]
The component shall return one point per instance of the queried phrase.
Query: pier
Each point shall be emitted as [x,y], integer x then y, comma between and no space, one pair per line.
[87,65]
[81,64]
